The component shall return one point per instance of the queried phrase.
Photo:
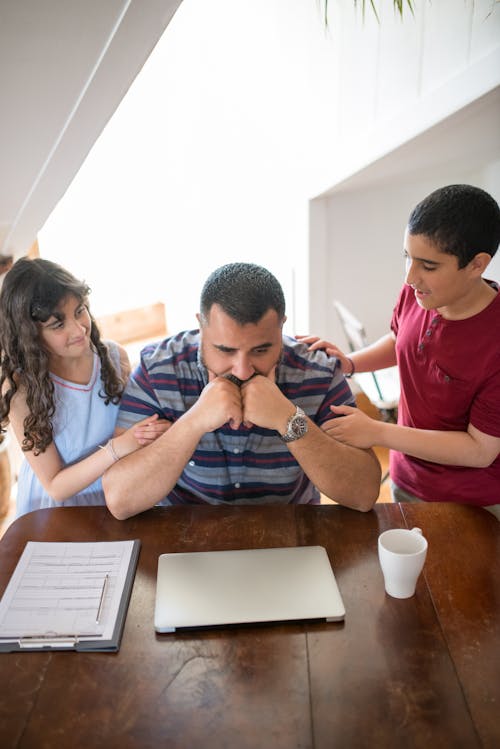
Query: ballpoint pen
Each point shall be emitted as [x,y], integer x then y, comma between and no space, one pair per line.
[101,600]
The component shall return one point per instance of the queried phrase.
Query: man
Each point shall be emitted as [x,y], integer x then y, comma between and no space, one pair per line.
[245,406]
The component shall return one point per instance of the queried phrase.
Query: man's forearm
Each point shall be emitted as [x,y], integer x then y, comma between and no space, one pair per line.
[142,479]
[348,475]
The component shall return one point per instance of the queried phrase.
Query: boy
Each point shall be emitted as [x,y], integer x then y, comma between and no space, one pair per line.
[445,338]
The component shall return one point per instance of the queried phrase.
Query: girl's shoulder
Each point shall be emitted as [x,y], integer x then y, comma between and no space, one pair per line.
[18,379]
[119,357]
[18,401]
[124,362]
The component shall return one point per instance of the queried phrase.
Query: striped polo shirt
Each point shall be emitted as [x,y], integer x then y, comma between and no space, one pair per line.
[243,466]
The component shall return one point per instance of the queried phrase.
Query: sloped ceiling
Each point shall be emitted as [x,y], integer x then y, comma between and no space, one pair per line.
[65,65]
[468,140]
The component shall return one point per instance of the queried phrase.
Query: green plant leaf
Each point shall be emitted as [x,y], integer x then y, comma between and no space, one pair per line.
[399,6]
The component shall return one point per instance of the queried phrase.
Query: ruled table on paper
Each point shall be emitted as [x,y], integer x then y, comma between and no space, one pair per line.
[65,589]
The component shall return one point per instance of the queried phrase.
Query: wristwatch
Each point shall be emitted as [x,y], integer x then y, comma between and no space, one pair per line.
[296,427]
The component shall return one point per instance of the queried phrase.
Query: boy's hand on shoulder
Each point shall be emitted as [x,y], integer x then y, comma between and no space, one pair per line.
[315,343]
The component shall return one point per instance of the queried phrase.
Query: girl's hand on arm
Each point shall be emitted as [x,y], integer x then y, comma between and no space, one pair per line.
[150,429]
[142,433]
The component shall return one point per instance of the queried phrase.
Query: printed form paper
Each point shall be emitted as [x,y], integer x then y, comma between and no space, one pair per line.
[65,589]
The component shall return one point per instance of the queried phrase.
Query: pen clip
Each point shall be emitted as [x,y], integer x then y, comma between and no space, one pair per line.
[101,600]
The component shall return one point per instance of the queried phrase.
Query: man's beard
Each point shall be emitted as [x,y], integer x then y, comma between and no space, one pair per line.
[236,380]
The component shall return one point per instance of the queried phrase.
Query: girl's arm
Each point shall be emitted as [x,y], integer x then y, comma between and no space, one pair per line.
[62,482]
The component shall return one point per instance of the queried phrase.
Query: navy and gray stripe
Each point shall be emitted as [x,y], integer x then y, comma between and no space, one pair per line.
[241,466]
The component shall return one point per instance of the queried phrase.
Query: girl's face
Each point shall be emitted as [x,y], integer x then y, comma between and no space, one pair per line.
[67,332]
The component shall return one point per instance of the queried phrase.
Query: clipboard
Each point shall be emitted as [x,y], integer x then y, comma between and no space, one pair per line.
[68,596]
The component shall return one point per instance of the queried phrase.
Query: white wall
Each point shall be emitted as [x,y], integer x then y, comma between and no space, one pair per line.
[365,266]
[420,109]
[245,111]
[357,227]
[395,79]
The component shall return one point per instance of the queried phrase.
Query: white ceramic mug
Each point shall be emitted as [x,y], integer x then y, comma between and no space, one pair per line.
[402,555]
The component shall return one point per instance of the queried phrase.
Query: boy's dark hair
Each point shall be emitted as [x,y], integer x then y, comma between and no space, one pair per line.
[30,293]
[461,219]
[244,291]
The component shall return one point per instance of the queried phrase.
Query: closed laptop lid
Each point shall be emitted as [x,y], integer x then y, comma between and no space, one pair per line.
[209,588]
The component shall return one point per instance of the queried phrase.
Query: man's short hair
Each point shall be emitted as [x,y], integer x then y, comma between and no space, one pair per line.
[461,219]
[244,291]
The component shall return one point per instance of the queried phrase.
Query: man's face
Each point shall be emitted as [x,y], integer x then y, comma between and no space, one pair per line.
[240,350]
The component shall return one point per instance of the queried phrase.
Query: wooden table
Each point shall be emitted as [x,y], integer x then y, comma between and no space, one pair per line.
[421,672]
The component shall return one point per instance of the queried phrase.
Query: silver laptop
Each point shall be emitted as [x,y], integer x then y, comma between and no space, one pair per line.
[210,588]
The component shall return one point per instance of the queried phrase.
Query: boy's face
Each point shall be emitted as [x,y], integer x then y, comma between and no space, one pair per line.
[436,279]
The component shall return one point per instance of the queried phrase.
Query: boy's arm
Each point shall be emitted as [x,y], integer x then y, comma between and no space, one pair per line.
[378,355]
[472,449]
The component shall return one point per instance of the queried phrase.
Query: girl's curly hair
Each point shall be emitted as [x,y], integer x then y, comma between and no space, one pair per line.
[30,294]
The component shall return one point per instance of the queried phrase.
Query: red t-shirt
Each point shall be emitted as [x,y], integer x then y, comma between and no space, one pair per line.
[450,377]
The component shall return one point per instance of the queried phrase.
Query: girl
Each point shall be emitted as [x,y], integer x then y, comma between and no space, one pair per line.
[60,385]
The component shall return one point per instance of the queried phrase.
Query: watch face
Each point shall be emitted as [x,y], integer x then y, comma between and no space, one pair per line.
[297,427]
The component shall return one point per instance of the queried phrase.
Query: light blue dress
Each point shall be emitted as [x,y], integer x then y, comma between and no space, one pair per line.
[81,423]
